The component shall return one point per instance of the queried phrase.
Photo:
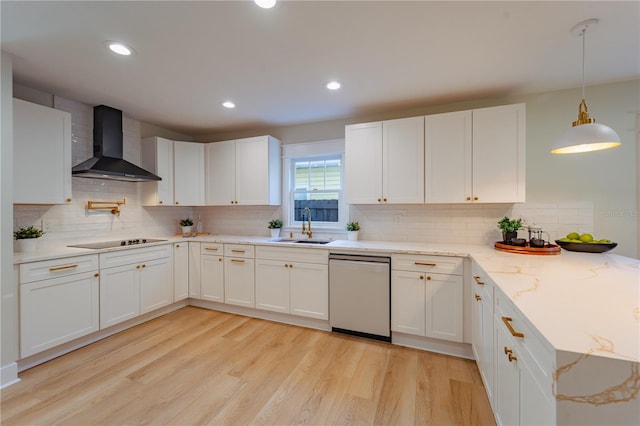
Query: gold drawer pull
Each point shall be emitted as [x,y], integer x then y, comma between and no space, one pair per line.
[237,251]
[238,260]
[514,333]
[477,279]
[211,248]
[512,358]
[478,297]
[424,264]
[60,268]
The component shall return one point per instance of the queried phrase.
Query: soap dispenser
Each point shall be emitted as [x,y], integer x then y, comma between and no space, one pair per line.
[199,226]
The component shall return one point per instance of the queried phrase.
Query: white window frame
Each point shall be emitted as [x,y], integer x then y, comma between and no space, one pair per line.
[311,151]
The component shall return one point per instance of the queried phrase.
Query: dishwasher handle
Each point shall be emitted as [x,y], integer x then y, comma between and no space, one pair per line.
[360,258]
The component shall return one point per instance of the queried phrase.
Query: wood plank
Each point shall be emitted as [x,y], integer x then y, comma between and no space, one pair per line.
[196,366]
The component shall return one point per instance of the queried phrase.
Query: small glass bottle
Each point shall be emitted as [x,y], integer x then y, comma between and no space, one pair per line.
[199,226]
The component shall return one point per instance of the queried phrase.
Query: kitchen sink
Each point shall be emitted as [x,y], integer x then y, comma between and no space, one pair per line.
[300,241]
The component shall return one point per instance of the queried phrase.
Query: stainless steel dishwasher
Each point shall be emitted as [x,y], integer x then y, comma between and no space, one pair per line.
[359,295]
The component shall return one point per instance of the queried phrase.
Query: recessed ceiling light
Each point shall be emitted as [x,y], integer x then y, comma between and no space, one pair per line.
[120,48]
[265,4]
[333,85]
[228,104]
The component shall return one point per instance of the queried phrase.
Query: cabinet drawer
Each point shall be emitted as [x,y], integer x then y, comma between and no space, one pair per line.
[214,249]
[130,256]
[436,264]
[287,254]
[528,342]
[46,269]
[239,250]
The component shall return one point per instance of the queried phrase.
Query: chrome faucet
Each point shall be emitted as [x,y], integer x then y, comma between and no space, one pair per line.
[306,231]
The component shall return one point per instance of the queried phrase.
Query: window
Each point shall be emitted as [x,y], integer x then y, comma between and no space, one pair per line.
[314,180]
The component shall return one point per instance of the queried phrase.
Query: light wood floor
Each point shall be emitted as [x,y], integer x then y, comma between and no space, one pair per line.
[196,366]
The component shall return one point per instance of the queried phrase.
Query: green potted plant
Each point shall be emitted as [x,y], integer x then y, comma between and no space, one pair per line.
[187,226]
[26,239]
[509,228]
[352,230]
[274,225]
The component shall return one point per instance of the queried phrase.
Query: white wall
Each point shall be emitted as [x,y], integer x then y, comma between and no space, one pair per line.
[8,290]
[607,181]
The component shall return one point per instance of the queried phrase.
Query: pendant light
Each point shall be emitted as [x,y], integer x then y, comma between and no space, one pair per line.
[585,134]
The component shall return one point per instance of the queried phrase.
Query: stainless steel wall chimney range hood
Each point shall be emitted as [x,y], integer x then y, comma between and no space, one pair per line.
[107,161]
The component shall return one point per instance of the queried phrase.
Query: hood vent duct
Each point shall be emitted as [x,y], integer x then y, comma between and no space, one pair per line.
[107,161]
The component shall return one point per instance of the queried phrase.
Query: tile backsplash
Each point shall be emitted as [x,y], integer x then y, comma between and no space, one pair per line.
[464,224]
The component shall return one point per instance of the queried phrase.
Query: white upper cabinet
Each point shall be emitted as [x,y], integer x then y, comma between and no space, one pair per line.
[188,173]
[499,154]
[476,156]
[243,171]
[384,162]
[41,148]
[181,167]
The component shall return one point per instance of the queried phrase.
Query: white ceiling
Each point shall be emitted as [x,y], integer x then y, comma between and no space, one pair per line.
[192,56]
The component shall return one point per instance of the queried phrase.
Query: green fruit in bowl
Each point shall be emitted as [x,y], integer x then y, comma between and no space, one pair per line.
[573,236]
[604,241]
[586,238]
[576,241]
[565,240]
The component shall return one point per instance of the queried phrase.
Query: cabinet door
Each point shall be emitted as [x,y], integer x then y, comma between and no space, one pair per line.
[195,274]
[119,294]
[42,143]
[258,171]
[239,282]
[157,157]
[482,338]
[220,185]
[363,163]
[309,287]
[180,271]
[272,285]
[444,307]
[535,408]
[507,385]
[212,278]
[56,311]
[156,286]
[499,154]
[403,160]
[447,158]
[408,302]
[188,173]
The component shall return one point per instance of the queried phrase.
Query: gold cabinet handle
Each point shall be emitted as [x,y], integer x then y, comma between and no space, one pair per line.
[177,245]
[428,277]
[422,277]
[237,251]
[68,200]
[138,266]
[507,351]
[60,268]
[237,260]
[514,333]
[379,199]
[477,279]
[475,198]
[384,199]
[177,202]
[512,358]
[219,259]
[144,266]
[425,264]
[212,249]
[160,202]
[478,297]
[96,275]
[468,198]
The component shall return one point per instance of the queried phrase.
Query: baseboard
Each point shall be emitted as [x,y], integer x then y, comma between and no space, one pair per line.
[9,375]
[461,350]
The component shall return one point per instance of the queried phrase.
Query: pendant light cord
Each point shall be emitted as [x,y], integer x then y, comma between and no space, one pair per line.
[584,36]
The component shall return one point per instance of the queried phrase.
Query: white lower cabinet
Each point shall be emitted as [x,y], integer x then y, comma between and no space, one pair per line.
[58,302]
[239,277]
[293,281]
[212,272]
[426,296]
[482,326]
[133,282]
[180,271]
[523,366]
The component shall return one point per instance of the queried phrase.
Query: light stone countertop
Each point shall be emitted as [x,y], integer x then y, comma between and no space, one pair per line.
[579,302]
